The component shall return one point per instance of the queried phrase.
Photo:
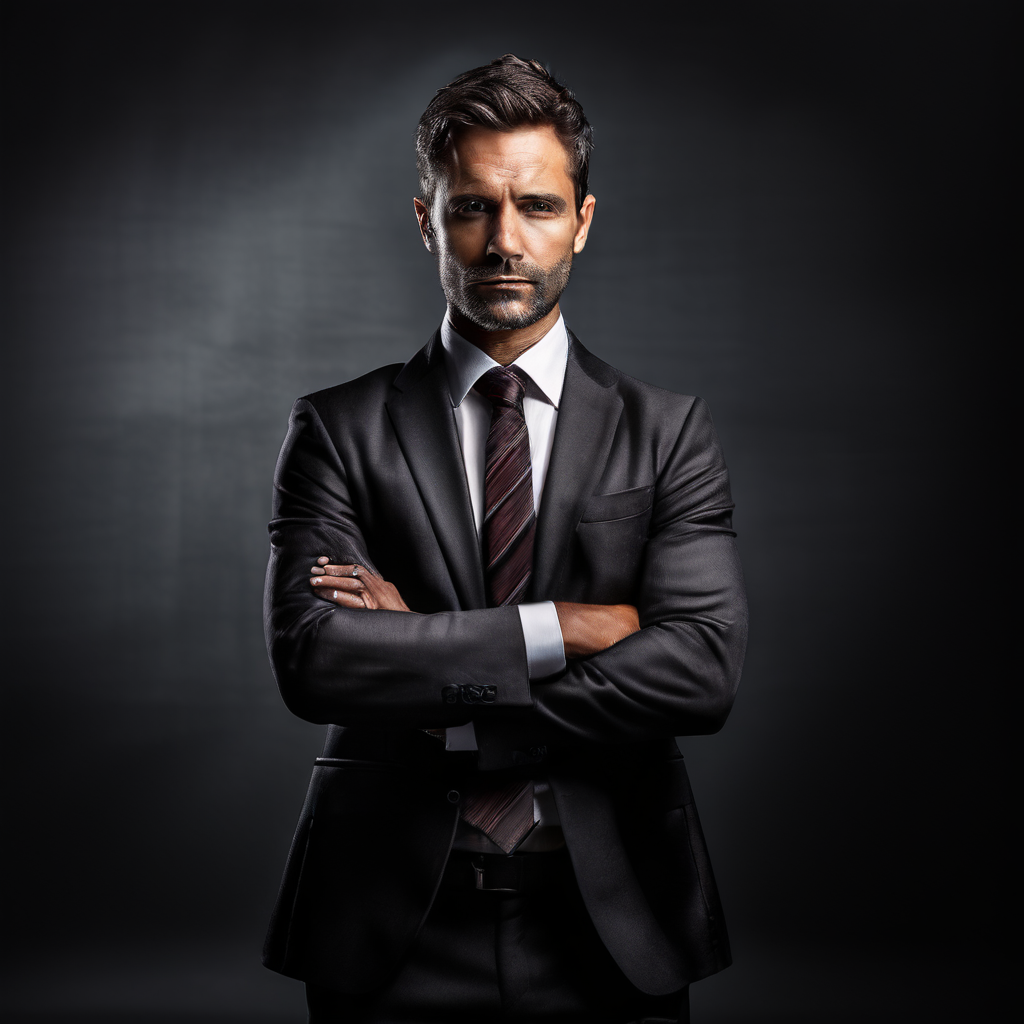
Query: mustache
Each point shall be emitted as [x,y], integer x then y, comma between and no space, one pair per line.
[527,271]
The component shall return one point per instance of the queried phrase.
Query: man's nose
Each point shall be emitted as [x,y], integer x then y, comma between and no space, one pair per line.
[505,241]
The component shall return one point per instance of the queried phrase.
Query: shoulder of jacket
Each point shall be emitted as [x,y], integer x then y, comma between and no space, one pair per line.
[371,388]
[630,388]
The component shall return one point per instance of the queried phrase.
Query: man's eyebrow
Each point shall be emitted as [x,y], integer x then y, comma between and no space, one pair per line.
[552,198]
[467,197]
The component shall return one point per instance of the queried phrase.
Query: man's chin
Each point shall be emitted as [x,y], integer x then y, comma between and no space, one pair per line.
[502,315]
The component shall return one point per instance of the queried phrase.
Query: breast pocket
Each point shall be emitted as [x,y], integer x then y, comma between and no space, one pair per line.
[612,533]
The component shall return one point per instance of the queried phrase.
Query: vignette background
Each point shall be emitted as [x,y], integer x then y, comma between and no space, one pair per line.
[799,218]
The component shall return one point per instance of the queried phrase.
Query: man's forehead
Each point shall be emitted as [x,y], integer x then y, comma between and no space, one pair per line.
[484,156]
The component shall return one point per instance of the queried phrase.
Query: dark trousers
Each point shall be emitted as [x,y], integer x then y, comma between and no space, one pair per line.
[515,958]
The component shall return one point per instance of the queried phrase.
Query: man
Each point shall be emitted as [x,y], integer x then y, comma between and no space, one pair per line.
[504,575]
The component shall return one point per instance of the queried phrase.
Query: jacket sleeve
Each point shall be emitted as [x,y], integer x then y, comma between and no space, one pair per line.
[349,667]
[678,674]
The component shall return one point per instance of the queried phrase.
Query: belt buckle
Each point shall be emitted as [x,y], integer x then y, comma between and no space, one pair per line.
[481,874]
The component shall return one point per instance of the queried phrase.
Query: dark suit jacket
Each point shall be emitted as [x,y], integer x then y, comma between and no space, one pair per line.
[636,508]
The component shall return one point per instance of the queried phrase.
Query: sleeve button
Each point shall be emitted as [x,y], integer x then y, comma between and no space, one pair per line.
[453,796]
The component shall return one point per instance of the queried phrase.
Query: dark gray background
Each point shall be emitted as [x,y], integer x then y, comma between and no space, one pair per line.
[208,211]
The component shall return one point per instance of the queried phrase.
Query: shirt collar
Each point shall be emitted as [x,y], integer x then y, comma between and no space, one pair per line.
[543,362]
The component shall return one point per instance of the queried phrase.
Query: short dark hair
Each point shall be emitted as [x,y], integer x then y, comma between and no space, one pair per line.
[506,94]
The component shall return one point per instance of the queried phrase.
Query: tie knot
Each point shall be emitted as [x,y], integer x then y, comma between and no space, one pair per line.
[503,385]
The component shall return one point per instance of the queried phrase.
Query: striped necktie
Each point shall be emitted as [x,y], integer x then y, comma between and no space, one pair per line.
[509,520]
[505,814]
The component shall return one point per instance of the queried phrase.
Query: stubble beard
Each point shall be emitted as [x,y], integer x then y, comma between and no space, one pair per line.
[505,310]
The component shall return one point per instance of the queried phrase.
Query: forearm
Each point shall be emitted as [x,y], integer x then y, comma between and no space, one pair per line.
[676,676]
[672,678]
[591,628]
[389,668]
[685,687]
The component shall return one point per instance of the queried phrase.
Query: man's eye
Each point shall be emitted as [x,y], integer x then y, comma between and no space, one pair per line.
[473,206]
[541,207]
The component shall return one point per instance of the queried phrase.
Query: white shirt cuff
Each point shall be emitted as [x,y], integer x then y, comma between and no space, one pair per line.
[545,653]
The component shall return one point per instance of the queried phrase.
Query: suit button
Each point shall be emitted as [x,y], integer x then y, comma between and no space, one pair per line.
[453,796]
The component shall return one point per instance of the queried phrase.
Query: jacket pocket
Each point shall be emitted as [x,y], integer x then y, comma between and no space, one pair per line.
[606,508]
[612,534]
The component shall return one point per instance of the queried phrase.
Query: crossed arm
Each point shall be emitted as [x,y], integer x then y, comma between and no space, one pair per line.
[586,628]
[675,675]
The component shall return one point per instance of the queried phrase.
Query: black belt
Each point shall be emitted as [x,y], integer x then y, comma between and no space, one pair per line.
[522,873]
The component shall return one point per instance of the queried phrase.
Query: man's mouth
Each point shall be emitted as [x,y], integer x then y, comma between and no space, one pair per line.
[504,281]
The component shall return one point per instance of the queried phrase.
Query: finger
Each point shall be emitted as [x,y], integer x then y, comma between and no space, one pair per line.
[352,570]
[345,583]
[342,598]
[322,560]
[340,570]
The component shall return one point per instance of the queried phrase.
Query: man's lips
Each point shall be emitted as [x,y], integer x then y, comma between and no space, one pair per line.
[504,281]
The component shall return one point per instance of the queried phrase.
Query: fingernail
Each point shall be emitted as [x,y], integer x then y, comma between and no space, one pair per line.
[335,595]
[317,581]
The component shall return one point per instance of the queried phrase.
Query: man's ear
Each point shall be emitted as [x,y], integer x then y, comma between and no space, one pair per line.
[423,217]
[583,219]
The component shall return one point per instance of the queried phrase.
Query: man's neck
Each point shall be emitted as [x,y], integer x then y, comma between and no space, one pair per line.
[503,347]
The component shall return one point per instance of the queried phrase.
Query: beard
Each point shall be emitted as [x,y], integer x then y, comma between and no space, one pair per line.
[504,309]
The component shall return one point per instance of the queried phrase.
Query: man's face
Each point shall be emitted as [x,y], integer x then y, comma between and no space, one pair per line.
[504,226]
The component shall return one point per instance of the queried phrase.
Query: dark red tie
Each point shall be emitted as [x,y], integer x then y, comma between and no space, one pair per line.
[509,521]
[505,814]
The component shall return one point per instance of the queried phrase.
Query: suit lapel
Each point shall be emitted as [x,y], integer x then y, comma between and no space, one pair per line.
[587,418]
[421,412]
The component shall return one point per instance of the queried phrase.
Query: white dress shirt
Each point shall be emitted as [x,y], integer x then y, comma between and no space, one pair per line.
[544,365]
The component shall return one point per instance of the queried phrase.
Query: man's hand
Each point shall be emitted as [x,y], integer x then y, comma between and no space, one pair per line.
[354,586]
[590,628]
